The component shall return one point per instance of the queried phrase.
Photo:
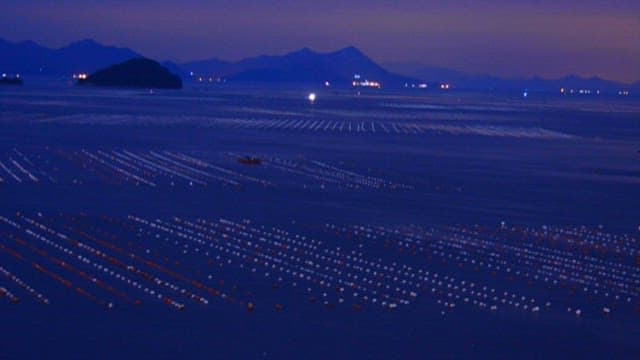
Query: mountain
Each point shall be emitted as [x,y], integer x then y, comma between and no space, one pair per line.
[174,68]
[134,73]
[464,80]
[81,56]
[432,73]
[303,66]
[21,57]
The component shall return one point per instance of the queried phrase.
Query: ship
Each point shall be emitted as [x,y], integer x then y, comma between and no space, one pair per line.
[10,80]
[249,160]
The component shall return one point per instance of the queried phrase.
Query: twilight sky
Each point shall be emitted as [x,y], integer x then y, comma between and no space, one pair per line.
[550,38]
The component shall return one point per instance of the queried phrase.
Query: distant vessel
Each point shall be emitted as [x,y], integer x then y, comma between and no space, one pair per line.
[10,80]
[249,160]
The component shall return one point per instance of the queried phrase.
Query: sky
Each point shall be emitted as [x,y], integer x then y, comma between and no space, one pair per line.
[509,38]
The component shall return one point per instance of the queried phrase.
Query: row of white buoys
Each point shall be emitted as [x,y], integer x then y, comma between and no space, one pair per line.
[372,281]
[197,285]
[353,126]
[118,169]
[270,255]
[341,266]
[16,166]
[5,292]
[224,174]
[323,125]
[28,288]
[141,173]
[541,263]
[593,239]
[328,174]
[160,166]
[42,165]
[583,266]
[57,277]
[103,264]
[510,254]
[165,167]
[148,274]
[585,273]
[22,169]
[9,172]
[364,180]
[152,168]
[71,257]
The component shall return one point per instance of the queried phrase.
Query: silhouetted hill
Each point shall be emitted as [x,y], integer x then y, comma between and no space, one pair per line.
[304,65]
[488,82]
[136,73]
[174,68]
[82,56]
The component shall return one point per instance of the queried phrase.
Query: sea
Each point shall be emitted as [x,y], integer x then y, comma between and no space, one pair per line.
[227,221]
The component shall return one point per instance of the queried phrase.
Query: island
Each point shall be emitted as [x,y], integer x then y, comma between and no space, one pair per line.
[134,73]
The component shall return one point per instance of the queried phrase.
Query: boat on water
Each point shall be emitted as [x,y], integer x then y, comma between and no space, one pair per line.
[11,80]
[249,160]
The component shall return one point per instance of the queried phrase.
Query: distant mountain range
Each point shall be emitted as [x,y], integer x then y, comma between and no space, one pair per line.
[488,82]
[302,66]
[83,56]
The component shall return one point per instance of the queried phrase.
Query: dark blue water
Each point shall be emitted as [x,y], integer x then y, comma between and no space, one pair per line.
[403,161]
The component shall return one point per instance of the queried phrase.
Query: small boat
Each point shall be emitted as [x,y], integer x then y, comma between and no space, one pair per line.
[249,160]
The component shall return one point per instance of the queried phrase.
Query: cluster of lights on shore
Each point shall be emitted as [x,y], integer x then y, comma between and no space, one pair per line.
[358,82]
[570,91]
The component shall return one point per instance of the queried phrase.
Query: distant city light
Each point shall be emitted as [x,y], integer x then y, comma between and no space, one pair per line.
[356,76]
[312,97]
[525,94]
[422,86]
[366,83]
[565,91]
[327,84]
[445,86]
